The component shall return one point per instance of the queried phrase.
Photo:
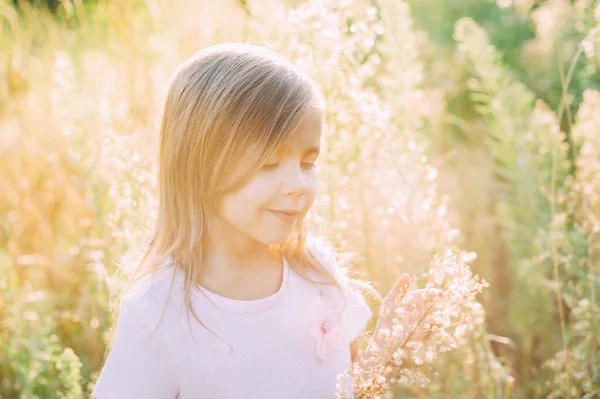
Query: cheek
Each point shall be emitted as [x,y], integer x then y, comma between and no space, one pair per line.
[311,189]
[247,202]
[258,192]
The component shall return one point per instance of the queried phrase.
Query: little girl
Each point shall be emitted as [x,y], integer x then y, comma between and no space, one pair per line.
[272,315]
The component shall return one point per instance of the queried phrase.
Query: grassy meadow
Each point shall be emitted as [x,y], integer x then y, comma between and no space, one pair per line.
[464,125]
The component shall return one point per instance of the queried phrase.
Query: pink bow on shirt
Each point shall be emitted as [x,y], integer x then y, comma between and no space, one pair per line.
[327,330]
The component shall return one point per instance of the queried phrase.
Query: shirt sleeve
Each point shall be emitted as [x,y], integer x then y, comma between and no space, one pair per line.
[357,313]
[136,366]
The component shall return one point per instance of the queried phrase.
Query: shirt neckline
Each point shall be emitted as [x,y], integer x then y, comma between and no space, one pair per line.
[240,305]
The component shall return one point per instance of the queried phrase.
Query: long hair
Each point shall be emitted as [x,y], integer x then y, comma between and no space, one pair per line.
[228,108]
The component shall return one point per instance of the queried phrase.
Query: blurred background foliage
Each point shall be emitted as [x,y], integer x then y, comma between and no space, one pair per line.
[472,124]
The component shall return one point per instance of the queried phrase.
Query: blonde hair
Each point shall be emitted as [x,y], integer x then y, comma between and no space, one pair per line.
[228,108]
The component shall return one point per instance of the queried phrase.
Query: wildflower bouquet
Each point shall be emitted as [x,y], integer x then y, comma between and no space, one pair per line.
[416,325]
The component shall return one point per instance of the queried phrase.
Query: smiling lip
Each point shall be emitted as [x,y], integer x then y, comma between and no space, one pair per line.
[286,216]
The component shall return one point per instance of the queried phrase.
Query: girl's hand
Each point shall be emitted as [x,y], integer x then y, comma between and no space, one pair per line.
[416,303]
[392,332]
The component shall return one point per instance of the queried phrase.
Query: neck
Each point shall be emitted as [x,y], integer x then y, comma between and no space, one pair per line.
[226,248]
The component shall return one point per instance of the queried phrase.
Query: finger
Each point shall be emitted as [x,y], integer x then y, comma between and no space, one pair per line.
[434,296]
[420,336]
[424,296]
[395,295]
[428,334]
[403,281]
[402,286]
[418,302]
[422,332]
[418,297]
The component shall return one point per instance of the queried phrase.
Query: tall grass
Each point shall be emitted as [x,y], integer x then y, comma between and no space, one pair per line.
[485,145]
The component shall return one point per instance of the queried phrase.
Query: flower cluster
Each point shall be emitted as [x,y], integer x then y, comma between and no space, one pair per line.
[421,330]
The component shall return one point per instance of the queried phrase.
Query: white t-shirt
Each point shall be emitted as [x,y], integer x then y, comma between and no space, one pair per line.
[274,347]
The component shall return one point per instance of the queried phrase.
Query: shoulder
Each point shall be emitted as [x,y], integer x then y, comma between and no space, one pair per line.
[320,249]
[323,252]
[154,291]
[138,362]
[338,265]
[356,313]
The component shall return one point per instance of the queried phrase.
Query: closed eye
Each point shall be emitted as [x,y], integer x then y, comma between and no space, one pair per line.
[275,165]
[269,166]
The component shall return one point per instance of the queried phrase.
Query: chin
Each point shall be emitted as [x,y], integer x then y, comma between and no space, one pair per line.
[275,239]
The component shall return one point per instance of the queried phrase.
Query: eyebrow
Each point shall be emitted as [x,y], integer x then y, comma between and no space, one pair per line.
[312,150]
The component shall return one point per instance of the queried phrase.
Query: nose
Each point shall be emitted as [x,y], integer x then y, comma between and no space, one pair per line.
[294,183]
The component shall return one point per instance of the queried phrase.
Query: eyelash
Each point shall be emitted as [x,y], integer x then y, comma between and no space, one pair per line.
[272,166]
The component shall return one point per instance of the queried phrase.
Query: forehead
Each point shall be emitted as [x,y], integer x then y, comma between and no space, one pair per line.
[306,134]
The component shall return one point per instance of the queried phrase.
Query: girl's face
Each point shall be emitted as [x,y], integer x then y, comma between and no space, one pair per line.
[266,208]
